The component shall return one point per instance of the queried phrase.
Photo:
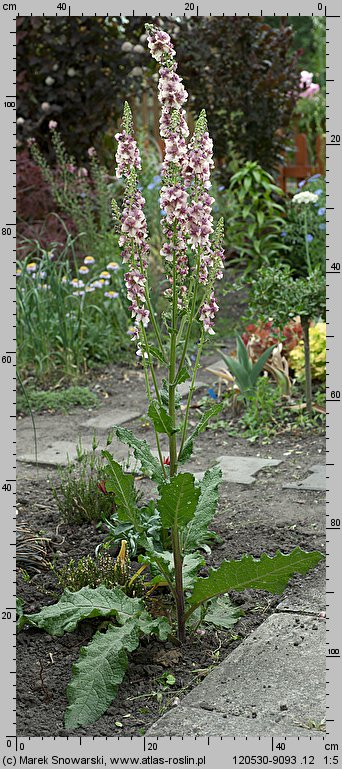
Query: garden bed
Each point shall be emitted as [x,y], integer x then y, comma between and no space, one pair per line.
[251,519]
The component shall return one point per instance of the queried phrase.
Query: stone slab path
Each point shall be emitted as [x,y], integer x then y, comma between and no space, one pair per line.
[273,683]
[317,481]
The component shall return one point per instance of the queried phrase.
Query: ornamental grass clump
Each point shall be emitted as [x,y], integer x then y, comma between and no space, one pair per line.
[173,528]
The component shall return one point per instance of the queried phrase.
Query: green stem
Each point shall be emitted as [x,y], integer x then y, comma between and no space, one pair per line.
[176,549]
[150,309]
[151,366]
[149,396]
[307,250]
[192,387]
[192,313]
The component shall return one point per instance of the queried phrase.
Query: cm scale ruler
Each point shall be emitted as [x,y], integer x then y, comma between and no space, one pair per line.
[319,750]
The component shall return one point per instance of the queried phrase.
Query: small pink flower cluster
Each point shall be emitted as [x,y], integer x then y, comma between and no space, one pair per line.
[308,89]
[184,199]
[160,45]
[127,154]
[133,231]
[208,312]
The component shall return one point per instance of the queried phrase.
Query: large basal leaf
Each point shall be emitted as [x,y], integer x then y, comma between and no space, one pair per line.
[196,533]
[202,425]
[102,665]
[161,419]
[122,486]
[266,573]
[149,464]
[178,501]
[98,672]
[222,613]
[64,616]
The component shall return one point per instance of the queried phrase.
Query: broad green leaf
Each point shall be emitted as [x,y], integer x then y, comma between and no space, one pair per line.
[161,419]
[191,564]
[158,626]
[149,464]
[202,425]
[165,565]
[98,672]
[259,365]
[178,501]
[122,486]
[266,573]
[64,616]
[196,533]
[239,372]
[21,619]
[242,352]
[222,613]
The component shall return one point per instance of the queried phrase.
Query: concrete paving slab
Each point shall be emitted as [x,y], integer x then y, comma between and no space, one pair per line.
[183,721]
[59,452]
[317,481]
[309,597]
[184,387]
[274,682]
[108,418]
[236,469]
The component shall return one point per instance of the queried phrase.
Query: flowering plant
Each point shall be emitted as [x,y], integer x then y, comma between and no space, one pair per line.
[304,227]
[173,529]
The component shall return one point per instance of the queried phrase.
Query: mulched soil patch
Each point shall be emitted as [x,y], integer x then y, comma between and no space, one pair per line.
[44,663]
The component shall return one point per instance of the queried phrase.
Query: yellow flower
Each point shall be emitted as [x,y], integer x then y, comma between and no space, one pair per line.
[31,267]
[19,271]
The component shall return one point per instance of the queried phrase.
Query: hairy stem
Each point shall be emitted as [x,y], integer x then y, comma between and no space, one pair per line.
[192,387]
[192,313]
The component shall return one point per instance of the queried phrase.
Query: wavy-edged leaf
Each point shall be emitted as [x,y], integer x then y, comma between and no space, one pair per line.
[202,425]
[141,450]
[267,573]
[165,565]
[222,613]
[64,616]
[125,496]
[98,672]
[182,376]
[196,533]
[178,501]
[161,419]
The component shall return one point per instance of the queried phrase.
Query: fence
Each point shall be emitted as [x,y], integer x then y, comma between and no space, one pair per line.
[146,116]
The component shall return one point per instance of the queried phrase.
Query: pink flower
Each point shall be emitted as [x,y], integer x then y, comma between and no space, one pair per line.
[52,125]
[71,168]
[308,89]
[91,152]
[82,172]
[159,43]
[127,154]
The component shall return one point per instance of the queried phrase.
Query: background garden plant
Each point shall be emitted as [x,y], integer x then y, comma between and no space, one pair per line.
[185,506]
